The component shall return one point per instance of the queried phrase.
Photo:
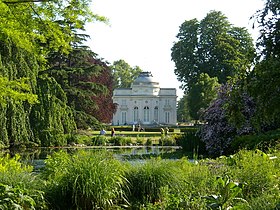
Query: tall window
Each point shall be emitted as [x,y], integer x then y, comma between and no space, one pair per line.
[146,114]
[123,117]
[167,117]
[156,114]
[135,114]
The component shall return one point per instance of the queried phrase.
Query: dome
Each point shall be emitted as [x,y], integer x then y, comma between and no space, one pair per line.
[145,78]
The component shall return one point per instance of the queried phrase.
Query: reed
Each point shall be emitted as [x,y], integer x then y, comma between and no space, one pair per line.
[148,181]
[85,180]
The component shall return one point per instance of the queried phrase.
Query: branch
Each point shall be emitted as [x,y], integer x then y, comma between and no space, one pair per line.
[24,1]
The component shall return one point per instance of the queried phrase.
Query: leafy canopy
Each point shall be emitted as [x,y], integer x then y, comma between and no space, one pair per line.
[18,90]
[201,94]
[124,74]
[211,46]
[266,74]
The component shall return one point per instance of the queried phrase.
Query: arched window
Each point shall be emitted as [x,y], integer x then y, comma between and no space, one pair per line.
[167,117]
[156,114]
[135,114]
[146,114]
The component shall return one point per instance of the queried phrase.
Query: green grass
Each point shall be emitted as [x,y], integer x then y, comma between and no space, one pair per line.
[84,180]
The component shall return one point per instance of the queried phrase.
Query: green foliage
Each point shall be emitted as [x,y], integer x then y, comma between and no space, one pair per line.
[18,69]
[257,170]
[124,74]
[263,141]
[139,141]
[265,76]
[211,46]
[167,140]
[149,142]
[30,32]
[17,90]
[51,118]
[228,196]
[99,140]
[183,114]
[19,188]
[37,27]
[191,143]
[201,94]
[120,141]
[88,84]
[84,181]
[94,179]
[12,165]
[15,198]
[147,181]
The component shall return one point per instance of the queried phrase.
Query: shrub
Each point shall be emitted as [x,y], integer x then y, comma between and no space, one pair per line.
[262,141]
[139,140]
[229,115]
[120,141]
[18,198]
[256,169]
[227,197]
[147,181]
[191,142]
[99,140]
[19,187]
[167,141]
[188,129]
[149,142]
[84,180]
[261,174]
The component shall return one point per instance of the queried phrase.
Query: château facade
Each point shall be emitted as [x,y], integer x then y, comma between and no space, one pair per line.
[145,103]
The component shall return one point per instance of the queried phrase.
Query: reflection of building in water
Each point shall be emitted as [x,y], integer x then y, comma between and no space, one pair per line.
[145,103]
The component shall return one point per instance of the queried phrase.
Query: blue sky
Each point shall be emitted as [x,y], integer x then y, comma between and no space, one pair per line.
[142,32]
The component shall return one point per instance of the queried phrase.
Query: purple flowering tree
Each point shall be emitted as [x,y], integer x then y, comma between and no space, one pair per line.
[229,115]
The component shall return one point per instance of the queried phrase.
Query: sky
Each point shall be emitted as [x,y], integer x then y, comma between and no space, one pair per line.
[142,32]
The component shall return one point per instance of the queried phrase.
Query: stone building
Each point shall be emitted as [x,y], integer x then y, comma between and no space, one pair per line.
[145,103]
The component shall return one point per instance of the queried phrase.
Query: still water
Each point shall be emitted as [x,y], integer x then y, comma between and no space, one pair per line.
[36,157]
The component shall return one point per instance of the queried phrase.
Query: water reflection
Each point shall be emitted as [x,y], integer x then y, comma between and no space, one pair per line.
[37,156]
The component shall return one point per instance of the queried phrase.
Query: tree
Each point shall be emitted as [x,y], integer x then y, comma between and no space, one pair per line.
[266,75]
[124,74]
[88,84]
[36,26]
[201,94]
[106,107]
[219,131]
[211,46]
[182,110]
[29,31]
[17,90]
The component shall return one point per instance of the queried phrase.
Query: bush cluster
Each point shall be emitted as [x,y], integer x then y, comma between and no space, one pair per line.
[262,141]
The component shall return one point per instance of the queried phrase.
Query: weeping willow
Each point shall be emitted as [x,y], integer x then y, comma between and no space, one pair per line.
[51,118]
[33,109]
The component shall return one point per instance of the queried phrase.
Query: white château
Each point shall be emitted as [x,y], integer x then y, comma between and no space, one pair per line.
[145,103]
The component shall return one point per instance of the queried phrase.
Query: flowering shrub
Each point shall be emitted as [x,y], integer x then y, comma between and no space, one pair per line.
[229,115]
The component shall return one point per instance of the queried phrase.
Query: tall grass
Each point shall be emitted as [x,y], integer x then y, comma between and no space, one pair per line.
[85,180]
[148,181]
[96,180]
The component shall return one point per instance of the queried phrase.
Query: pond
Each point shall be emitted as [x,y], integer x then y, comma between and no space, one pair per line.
[36,156]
